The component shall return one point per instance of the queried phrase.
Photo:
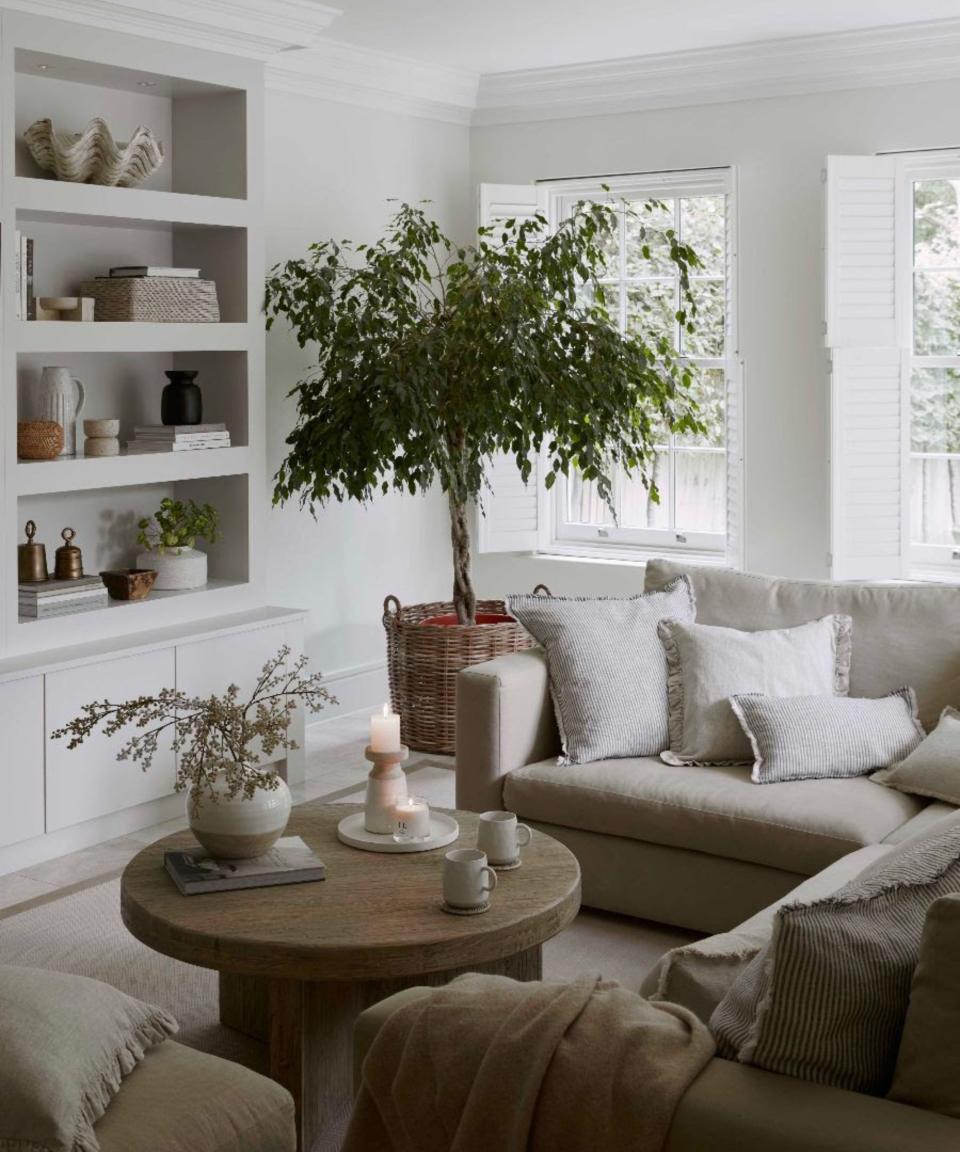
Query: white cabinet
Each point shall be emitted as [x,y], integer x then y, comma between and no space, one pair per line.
[21,765]
[212,665]
[89,781]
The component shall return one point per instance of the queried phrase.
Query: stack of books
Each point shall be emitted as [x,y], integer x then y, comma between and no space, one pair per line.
[126,271]
[290,861]
[62,597]
[178,437]
[26,300]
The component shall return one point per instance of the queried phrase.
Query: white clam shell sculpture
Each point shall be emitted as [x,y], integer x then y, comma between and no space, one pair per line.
[93,156]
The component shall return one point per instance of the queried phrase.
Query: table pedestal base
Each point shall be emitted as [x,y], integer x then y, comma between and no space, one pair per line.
[308,1026]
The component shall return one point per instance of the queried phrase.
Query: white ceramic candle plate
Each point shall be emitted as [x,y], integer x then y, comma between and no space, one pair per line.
[443,831]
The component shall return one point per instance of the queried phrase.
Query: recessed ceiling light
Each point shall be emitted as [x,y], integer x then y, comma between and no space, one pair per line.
[43,67]
[146,83]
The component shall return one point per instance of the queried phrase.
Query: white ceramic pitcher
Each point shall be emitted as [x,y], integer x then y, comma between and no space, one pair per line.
[61,400]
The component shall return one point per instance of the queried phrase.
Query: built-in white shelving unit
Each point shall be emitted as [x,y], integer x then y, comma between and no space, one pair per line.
[203,207]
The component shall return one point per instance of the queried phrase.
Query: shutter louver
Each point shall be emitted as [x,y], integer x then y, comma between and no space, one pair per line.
[869,391]
[510,517]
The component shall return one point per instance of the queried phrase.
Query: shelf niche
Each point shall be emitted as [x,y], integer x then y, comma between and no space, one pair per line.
[202,127]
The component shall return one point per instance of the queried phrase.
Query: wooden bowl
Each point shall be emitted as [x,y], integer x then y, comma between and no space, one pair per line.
[129,583]
[39,439]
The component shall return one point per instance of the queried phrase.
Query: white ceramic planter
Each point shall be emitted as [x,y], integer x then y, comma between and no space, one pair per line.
[236,829]
[177,569]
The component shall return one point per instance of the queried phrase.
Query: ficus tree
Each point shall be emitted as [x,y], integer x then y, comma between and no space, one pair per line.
[433,356]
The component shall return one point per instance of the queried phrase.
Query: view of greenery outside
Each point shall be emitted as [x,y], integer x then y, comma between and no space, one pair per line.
[690,471]
[935,379]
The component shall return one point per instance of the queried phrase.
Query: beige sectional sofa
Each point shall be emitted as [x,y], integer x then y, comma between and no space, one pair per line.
[705,848]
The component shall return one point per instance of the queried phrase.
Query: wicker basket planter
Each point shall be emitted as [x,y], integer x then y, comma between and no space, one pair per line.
[154,299]
[423,660]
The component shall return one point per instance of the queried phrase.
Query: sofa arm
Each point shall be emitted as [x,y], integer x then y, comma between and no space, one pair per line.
[736,1108]
[504,720]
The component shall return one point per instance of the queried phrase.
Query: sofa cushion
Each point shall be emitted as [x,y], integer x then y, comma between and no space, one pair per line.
[180,1100]
[800,826]
[707,665]
[932,769]
[700,974]
[67,1042]
[902,633]
[827,998]
[819,737]
[608,673]
[927,1074]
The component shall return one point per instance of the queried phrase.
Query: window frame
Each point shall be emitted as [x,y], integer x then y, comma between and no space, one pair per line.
[924,561]
[560,536]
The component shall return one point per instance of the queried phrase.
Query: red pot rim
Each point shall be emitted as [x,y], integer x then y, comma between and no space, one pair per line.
[449,619]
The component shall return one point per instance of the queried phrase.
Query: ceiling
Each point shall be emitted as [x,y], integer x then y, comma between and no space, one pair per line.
[503,35]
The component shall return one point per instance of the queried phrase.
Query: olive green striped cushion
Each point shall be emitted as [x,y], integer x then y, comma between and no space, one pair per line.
[826,999]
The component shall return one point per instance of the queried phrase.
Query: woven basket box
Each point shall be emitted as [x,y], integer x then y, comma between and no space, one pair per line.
[154,299]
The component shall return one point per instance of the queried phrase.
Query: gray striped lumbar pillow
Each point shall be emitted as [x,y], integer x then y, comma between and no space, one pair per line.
[826,999]
[608,674]
[819,737]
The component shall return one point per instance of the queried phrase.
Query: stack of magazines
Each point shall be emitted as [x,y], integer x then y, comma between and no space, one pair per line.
[178,437]
[290,861]
[62,597]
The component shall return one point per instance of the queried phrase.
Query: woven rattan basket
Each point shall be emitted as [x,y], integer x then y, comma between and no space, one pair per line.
[39,439]
[154,299]
[423,660]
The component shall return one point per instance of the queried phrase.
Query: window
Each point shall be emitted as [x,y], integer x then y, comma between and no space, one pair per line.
[697,476]
[935,364]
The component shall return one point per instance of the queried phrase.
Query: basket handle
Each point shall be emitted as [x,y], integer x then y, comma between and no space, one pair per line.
[387,610]
[542,589]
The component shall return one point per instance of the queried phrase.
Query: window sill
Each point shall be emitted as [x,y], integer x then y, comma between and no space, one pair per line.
[624,556]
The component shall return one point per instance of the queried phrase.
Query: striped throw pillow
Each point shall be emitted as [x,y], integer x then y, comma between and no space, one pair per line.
[608,673]
[819,737]
[826,999]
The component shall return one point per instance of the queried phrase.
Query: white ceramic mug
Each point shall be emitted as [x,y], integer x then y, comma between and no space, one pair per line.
[501,837]
[464,873]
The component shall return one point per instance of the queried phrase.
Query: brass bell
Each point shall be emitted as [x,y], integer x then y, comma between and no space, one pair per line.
[31,559]
[69,559]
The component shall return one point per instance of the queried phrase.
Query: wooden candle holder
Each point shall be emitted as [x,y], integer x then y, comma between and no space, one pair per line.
[386,785]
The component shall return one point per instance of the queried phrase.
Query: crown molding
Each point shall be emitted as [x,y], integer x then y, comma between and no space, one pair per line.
[253,28]
[902,54]
[349,75]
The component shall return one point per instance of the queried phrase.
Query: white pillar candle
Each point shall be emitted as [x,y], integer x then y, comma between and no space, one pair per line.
[413,818]
[385,731]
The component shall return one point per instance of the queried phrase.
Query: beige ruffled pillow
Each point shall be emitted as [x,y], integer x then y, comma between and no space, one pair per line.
[66,1043]
[933,767]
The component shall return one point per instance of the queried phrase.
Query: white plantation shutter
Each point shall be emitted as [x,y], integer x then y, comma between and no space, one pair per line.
[734,415]
[510,518]
[869,387]
[861,252]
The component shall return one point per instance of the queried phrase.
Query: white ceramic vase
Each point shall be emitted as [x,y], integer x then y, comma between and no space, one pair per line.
[238,828]
[178,569]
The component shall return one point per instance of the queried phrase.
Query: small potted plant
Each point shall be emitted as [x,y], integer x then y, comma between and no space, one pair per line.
[236,808]
[168,539]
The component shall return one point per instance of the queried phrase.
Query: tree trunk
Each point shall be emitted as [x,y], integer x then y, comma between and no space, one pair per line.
[464,597]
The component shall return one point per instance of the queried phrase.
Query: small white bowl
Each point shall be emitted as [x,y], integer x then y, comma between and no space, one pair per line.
[108,427]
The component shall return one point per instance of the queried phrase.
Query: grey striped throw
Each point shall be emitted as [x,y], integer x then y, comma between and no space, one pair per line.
[608,674]
[818,737]
[826,999]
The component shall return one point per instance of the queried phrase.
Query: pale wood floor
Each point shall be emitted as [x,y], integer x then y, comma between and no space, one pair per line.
[334,760]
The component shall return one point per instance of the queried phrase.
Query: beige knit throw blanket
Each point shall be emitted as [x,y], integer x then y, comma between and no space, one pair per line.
[487,1064]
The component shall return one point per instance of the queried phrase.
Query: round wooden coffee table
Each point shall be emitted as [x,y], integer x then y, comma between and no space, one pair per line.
[299,963]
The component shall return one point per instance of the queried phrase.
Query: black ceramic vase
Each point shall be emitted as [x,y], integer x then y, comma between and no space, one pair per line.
[182,400]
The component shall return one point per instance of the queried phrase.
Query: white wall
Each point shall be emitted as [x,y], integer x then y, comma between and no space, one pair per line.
[330,170]
[779,147]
